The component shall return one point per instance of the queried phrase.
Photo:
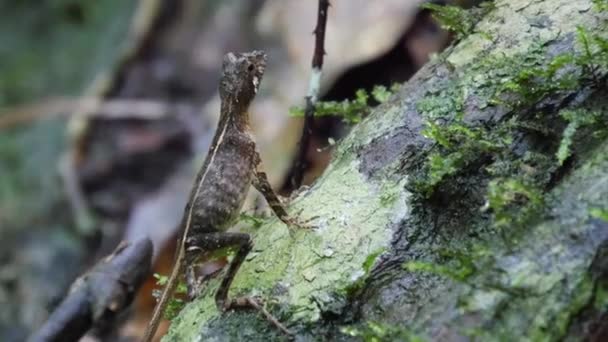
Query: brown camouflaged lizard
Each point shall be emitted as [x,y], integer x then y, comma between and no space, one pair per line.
[232,165]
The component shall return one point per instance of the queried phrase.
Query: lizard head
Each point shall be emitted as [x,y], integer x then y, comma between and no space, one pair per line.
[241,75]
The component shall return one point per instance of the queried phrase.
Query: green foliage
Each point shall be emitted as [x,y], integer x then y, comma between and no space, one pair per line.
[53,55]
[530,85]
[176,303]
[378,332]
[351,111]
[381,94]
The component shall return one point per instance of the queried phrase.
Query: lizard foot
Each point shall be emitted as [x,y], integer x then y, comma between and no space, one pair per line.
[297,224]
[256,303]
[294,222]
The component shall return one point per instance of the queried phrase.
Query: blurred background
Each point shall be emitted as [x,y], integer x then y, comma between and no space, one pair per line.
[107,109]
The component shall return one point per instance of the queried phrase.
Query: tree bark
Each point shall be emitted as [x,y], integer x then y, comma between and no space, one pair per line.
[406,249]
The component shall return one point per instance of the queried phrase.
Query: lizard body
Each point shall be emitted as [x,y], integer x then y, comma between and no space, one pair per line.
[231,167]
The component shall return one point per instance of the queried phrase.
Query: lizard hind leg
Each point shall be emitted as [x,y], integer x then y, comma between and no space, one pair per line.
[244,243]
[209,242]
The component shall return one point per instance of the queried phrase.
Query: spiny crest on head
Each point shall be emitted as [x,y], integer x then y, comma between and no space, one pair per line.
[242,73]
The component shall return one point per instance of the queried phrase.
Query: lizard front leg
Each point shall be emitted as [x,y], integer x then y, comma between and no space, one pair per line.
[263,186]
[261,183]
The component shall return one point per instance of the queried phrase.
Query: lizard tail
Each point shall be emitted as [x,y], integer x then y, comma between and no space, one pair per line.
[162,303]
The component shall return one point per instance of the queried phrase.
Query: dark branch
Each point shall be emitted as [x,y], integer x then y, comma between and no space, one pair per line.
[313,94]
[317,58]
[100,294]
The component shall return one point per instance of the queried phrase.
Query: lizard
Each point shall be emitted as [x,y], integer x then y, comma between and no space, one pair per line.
[232,165]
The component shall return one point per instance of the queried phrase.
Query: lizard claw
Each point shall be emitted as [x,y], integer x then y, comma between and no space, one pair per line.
[297,224]
[294,222]
[242,303]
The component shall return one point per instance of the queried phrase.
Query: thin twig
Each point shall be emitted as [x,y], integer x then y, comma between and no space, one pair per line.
[91,106]
[313,94]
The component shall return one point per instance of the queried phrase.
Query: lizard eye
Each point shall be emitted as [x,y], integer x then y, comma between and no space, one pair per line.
[250,67]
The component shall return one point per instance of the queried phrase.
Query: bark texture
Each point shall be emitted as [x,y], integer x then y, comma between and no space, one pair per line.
[407,248]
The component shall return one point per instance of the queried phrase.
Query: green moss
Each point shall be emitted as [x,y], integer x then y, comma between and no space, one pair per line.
[459,274]
[441,166]
[252,220]
[594,55]
[526,278]
[526,78]
[382,94]
[371,259]
[505,194]
[354,288]
[518,81]
[551,323]
[459,145]
[600,5]
[457,264]
[534,80]
[576,118]
[378,332]
[457,19]
[601,298]
[443,103]
[601,214]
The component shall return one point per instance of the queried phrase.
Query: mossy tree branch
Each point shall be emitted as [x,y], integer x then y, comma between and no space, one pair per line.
[448,212]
